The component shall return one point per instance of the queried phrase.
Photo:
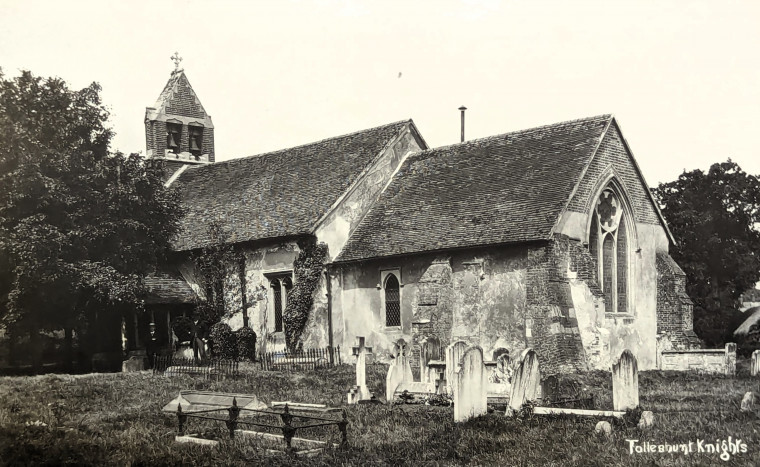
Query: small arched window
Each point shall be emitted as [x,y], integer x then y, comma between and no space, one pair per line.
[392,301]
[280,287]
[608,243]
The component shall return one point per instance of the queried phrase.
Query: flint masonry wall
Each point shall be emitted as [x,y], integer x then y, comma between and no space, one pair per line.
[477,296]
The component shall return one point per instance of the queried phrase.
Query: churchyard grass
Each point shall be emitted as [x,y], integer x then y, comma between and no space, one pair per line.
[115,419]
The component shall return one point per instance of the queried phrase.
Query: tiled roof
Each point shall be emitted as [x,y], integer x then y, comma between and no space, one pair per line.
[164,288]
[279,194]
[501,189]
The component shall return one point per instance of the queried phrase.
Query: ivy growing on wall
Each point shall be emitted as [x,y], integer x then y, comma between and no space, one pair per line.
[307,269]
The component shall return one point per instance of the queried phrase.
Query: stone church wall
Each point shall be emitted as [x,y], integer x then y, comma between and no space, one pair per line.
[675,327]
[542,295]
[476,296]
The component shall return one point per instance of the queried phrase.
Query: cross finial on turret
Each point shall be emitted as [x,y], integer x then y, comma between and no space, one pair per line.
[176,59]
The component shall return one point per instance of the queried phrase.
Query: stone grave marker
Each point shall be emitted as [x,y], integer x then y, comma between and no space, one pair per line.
[500,377]
[604,428]
[454,354]
[360,392]
[625,382]
[748,402]
[399,372]
[646,420]
[430,350]
[526,381]
[754,368]
[470,381]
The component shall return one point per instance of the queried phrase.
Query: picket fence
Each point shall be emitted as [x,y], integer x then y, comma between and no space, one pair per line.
[307,359]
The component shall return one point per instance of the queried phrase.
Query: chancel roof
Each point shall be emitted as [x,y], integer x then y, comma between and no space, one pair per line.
[501,189]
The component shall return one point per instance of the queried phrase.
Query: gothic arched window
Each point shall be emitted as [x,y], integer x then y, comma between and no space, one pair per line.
[392,301]
[280,285]
[608,243]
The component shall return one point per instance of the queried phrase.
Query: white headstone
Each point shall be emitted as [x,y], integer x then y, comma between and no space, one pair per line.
[360,391]
[471,383]
[399,372]
[454,354]
[429,351]
[754,368]
[526,380]
[625,382]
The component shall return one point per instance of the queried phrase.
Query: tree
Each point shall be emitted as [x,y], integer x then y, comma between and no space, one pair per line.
[220,267]
[714,217]
[79,225]
[214,263]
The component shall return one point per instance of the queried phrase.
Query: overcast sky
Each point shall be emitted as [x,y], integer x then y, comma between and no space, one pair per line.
[682,77]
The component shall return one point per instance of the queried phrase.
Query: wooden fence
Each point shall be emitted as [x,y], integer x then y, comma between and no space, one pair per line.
[309,359]
[170,366]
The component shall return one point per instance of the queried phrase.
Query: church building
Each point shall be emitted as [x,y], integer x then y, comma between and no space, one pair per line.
[546,238]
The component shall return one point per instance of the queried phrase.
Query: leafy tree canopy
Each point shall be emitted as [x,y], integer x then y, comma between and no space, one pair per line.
[77,221]
[714,217]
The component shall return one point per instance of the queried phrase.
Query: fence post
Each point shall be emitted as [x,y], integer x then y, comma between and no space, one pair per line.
[181,419]
[343,426]
[288,430]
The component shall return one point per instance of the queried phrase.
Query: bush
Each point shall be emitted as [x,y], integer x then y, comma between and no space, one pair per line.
[223,342]
[246,343]
[183,328]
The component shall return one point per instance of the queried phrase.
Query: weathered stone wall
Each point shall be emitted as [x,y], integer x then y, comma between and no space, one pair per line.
[477,296]
[544,296]
[721,361]
[552,324]
[335,229]
[675,311]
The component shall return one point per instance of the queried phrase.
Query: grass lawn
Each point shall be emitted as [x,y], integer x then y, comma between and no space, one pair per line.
[115,419]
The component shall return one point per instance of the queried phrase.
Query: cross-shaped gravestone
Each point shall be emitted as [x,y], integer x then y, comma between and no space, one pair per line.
[361,351]
[176,59]
[360,391]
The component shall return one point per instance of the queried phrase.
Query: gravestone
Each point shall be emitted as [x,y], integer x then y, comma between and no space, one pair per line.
[730,350]
[360,392]
[604,428]
[430,350]
[748,402]
[646,420]
[503,372]
[526,381]
[133,364]
[754,368]
[205,400]
[454,354]
[470,381]
[399,372]
[498,353]
[625,382]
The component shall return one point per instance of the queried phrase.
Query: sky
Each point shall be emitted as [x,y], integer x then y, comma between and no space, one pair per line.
[681,77]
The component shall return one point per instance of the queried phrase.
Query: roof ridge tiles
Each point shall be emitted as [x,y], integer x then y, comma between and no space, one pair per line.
[518,132]
[291,148]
